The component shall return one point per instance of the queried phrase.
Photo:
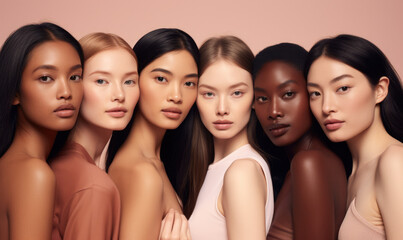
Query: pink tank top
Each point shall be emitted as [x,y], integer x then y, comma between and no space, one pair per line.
[354,226]
[206,221]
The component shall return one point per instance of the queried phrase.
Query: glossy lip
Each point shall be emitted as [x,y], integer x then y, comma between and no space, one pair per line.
[65,110]
[222,124]
[117,112]
[278,129]
[172,113]
[333,124]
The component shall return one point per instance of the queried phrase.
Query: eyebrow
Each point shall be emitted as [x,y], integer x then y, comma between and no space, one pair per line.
[51,67]
[191,75]
[99,72]
[279,86]
[334,80]
[232,86]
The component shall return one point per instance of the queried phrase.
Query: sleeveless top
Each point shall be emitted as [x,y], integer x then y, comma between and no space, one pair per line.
[206,221]
[355,226]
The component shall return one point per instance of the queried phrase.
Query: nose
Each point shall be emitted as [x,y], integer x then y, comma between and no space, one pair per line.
[274,109]
[222,108]
[175,94]
[64,90]
[118,93]
[328,104]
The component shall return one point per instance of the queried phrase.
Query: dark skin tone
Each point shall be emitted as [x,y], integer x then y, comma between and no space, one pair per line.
[312,201]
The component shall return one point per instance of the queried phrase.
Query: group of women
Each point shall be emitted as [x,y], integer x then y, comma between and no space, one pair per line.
[169,141]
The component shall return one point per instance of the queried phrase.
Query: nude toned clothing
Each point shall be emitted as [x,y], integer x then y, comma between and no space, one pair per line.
[206,221]
[87,202]
[355,226]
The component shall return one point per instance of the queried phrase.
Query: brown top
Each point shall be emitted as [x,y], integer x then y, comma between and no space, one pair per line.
[87,202]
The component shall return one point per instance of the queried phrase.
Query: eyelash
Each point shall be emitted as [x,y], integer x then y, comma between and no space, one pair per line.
[161,79]
[45,78]
[261,99]
[285,96]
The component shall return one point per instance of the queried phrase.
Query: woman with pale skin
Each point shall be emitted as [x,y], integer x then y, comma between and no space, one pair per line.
[41,91]
[87,203]
[356,96]
[312,200]
[235,200]
[168,60]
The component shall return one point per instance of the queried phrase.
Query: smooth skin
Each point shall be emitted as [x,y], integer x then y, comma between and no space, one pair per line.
[340,92]
[51,78]
[226,93]
[311,202]
[168,87]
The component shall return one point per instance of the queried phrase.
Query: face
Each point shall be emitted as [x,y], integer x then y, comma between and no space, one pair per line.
[110,89]
[341,98]
[282,103]
[51,88]
[168,87]
[225,99]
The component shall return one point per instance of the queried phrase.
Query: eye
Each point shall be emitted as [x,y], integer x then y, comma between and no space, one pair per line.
[75,78]
[161,79]
[208,94]
[129,82]
[261,99]
[343,89]
[289,95]
[190,84]
[101,82]
[238,93]
[314,95]
[45,79]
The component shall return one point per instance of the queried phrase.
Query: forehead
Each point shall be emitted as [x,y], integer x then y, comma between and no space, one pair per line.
[180,61]
[278,72]
[109,59]
[223,73]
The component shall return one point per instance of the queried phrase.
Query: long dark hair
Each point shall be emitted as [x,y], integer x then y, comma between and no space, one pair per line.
[236,51]
[365,57]
[14,55]
[175,147]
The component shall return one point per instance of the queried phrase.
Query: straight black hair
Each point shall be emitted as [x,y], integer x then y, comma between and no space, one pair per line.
[14,55]
[365,57]
[175,148]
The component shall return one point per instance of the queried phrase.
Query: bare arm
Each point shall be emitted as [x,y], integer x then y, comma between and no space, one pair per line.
[141,192]
[243,200]
[389,192]
[313,200]
[31,204]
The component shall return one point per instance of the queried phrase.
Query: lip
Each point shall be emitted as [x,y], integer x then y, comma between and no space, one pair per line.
[222,124]
[117,112]
[278,129]
[333,124]
[172,113]
[65,110]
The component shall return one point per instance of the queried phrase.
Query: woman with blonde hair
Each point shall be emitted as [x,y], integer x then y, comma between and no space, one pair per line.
[235,201]
[87,203]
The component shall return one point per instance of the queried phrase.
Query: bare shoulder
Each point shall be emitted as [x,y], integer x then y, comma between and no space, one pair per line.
[391,161]
[36,171]
[243,167]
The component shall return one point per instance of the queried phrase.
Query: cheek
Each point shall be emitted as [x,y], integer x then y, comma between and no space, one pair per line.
[93,101]
[132,96]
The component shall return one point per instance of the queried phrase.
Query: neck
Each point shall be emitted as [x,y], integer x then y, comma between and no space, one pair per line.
[93,138]
[145,136]
[303,143]
[32,140]
[370,143]
[223,147]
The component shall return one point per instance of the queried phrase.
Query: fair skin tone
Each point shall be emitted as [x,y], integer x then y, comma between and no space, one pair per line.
[47,102]
[347,107]
[168,91]
[311,203]
[225,107]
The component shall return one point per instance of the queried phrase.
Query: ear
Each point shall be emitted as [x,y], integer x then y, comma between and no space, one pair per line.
[381,89]
[16,99]
[253,105]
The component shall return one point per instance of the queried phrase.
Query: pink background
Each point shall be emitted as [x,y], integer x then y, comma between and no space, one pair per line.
[259,23]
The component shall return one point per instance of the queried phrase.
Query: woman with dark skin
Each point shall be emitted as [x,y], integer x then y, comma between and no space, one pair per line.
[41,92]
[311,203]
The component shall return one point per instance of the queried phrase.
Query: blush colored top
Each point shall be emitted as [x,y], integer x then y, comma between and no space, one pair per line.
[355,226]
[206,221]
[87,202]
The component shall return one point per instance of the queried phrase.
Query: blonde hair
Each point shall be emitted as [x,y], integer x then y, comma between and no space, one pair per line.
[94,43]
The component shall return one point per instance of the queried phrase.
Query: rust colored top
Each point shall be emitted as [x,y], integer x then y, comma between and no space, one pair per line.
[87,202]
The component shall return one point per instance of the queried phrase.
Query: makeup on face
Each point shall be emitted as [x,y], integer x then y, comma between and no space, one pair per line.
[281,102]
